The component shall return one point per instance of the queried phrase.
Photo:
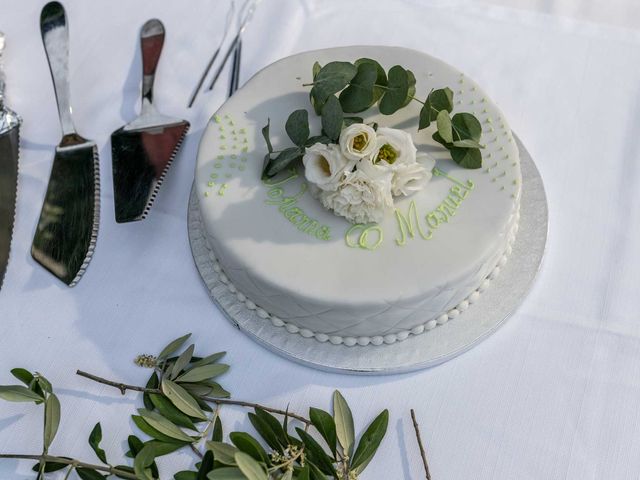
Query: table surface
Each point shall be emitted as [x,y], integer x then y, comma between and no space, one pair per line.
[554,394]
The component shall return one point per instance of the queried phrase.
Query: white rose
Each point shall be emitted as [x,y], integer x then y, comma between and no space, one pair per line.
[393,147]
[357,141]
[362,196]
[412,177]
[323,165]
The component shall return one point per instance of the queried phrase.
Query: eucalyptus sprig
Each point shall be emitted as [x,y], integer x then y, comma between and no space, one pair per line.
[340,88]
[182,401]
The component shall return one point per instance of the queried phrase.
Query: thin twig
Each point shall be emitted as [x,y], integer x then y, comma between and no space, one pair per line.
[196,451]
[70,461]
[123,387]
[422,452]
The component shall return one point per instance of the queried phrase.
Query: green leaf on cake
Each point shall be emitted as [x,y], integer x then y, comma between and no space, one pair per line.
[265,134]
[467,143]
[358,96]
[411,92]
[397,90]
[332,118]
[437,100]
[346,121]
[467,157]
[297,127]
[316,69]
[283,160]
[444,126]
[317,139]
[332,78]
[381,78]
[466,126]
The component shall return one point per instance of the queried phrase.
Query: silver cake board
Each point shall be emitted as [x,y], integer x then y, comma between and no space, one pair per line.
[432,347]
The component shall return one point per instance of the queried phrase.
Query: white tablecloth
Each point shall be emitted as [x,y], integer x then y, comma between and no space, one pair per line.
[555,394]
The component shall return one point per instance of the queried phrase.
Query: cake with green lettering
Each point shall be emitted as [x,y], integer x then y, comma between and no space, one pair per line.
[359,195]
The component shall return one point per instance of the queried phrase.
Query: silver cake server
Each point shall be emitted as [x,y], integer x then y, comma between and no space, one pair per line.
[67,231]
[144,149]
[9,150]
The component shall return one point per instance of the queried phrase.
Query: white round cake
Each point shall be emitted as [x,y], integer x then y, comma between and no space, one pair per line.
[318,275]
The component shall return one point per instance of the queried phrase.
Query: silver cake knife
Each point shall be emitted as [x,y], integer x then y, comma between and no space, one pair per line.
[67,231]
[9,150]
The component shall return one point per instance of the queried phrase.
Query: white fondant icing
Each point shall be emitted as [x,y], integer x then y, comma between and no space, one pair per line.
[340,294]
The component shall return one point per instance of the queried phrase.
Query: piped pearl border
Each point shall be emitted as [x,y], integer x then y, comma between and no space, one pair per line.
[365,340]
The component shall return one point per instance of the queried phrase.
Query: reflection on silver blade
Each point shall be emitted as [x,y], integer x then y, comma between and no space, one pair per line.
[9,143]
[68,227]
[141,159]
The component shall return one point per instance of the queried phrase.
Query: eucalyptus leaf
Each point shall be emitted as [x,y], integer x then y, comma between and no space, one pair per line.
[325,425]
[223,452]
[436,136]
[164,426]
[444,126]
[332,78]
[346,121]
[344,423]
[51,419]
[358,96]
[171,412]
[250,467]
[441,99]
[317,139]
[209,359]
[411,92]
[247,444]
[381,77]
[182,361]
[89,474]
[316,69]
[332,118]
[467,157]
[466,126]
[397,90]
[182,399]
[172,347]
[94,441]
[370,441]
[226,473]
[203,373]
[297,127]
[19,393]
[467,143]
[25,376]
[424,118]
[283,160]
[265,134]
[316,454]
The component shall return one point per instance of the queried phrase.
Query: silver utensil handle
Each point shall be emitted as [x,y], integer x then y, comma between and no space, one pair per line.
[2,76]
[151,42]
[55,37]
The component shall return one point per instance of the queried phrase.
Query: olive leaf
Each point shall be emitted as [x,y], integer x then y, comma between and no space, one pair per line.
[209,359]
[226,473]
[51,466]
[43,383]
[182,361]
[223,452]
[172,347]
[18,393]
[344,423]
[247,444]
[206,465]
[95,437]
[251,468]
[325,425]
[397,90]
[332,78]
[51,419]
[203,373]
[171,412]
[164,426]
[370,441]
[265,431]
[144,426]
[25,376]
[304,473]
[274,425]
[332,118]
[182,399]
[89,474]
[316,454]
[358,96]
[216,434]
[297,127]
